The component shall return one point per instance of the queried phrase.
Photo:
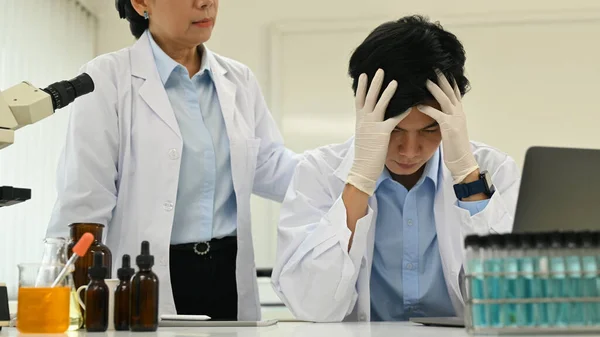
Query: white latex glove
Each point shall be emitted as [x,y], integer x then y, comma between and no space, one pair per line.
[458,155]
[372,134]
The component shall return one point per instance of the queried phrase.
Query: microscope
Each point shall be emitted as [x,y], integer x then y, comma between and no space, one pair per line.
[21,105]
[24,104]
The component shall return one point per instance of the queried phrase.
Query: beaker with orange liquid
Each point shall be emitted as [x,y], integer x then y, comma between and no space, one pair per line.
[40,308]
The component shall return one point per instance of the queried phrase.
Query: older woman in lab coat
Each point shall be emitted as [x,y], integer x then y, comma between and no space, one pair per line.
[168,148]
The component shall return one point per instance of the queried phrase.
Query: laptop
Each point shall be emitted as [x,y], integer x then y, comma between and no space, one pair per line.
[560,190]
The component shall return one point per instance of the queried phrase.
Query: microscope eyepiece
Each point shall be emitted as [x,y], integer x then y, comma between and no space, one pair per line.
[64,93]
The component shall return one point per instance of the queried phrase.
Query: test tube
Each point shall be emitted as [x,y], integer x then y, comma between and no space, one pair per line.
[588,285]
[556,284]
[526,280]
[541,279]
[494,280]
[597,254]
[511,272]
[573,310]
[473,245]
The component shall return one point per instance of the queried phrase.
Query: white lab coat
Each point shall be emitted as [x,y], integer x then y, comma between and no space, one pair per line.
[120,166]
[319,280]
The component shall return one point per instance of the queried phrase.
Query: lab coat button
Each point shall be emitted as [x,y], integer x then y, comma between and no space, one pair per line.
[168,206]
[173,154]
[163,261]
[362,317]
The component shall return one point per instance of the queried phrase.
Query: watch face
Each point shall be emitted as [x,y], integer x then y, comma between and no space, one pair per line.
[488,181]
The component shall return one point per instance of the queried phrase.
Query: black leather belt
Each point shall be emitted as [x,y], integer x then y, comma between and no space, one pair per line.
[207,247]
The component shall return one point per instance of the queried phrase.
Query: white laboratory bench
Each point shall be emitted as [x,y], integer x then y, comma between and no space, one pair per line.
[287,329]
[283,329]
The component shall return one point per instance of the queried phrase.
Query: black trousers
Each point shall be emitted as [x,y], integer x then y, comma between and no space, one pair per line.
[205,284]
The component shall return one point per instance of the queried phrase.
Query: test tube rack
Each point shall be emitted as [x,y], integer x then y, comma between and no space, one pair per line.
[533,283]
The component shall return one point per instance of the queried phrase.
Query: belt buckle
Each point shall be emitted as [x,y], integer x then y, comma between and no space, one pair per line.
[204,251]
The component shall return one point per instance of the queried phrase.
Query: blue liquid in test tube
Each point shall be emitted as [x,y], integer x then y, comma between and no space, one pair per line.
[557,315]
[512,287]
[573,310]
[589,288]
[525,282]
[475,247]
[494,281]
[540,280]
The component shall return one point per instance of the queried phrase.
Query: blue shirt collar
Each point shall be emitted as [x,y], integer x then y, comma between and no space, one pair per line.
[432,170]
[165,64]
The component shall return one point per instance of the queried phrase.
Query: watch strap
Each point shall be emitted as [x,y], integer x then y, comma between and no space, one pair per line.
[466,190]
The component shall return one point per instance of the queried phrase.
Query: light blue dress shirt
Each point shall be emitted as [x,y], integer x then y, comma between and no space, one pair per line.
[205,207]
[407,279]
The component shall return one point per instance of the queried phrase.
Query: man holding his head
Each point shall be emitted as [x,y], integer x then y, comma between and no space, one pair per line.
[373,229]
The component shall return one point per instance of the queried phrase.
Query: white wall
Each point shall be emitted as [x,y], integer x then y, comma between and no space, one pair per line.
[532,65]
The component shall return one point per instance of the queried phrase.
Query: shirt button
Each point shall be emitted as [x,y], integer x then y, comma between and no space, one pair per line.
[409,266]
[409,222]
[173,154]
[168,206]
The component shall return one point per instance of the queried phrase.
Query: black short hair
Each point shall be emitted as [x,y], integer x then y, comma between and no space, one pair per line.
[409,51]
[137,23]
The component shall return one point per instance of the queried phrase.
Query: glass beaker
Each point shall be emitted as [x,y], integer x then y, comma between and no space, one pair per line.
[40,308]
[55,254]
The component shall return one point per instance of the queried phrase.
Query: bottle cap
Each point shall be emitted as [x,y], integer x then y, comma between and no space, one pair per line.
[145,260]
[496,241]
[483,241]
[125,272]
[571,239]
[596,236]
[526,240]
[511,241]
[587,239]
[472,241]
[97,271]
[541,240]
[557,240]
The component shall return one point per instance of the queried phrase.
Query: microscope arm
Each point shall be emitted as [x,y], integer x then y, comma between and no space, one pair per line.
[21,105]
[24,104]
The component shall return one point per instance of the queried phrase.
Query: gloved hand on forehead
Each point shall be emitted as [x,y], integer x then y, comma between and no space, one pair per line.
[458,155]
[372,133]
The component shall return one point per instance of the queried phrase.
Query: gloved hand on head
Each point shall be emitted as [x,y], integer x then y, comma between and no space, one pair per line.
[458,155]
[372,134]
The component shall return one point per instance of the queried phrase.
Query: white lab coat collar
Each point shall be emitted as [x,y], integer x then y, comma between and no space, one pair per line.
[153,92]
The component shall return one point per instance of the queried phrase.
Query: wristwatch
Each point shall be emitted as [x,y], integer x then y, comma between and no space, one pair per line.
[483,185]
